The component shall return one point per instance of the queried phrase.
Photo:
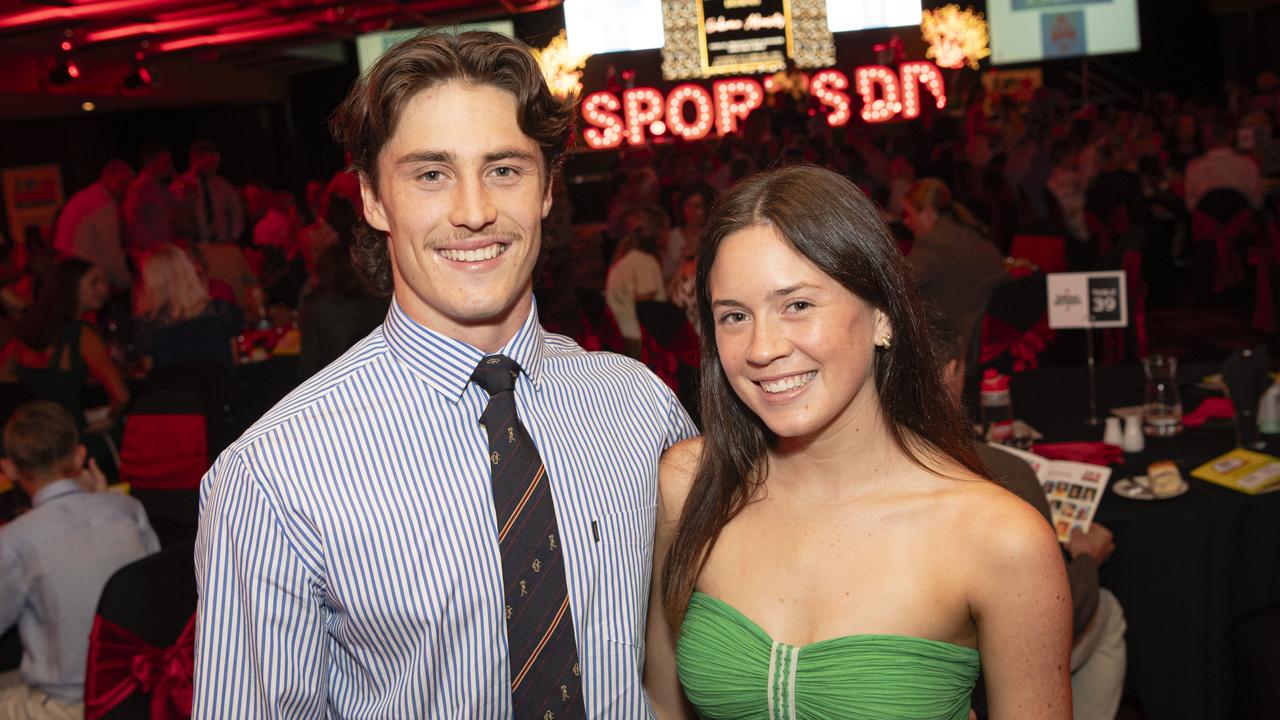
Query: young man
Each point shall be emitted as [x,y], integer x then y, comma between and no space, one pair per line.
[55,559]
[454,519]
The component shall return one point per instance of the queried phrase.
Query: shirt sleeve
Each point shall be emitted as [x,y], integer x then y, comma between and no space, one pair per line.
[13,588]
[260,649]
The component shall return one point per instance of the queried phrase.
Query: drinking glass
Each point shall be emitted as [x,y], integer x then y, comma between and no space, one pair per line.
[1161,405]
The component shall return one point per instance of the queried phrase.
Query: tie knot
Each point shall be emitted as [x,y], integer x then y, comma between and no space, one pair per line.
[496,374]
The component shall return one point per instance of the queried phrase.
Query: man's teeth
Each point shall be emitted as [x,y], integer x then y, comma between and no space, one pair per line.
[788,383]
[487,252]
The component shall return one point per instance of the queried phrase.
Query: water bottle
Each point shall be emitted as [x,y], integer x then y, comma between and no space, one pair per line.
[995,407]
[1269,410]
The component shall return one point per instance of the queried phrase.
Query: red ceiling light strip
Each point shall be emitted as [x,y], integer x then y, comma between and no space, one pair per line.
[81,12]
[171,26]
[230,38]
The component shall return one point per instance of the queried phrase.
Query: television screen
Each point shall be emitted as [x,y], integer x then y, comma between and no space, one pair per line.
[1033,30]
[370,46]
[596,27]
[843,15]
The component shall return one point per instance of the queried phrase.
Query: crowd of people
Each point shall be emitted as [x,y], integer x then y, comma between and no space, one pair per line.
[837,278]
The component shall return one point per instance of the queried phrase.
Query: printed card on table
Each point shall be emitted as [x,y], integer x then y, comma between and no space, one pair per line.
[1073,489]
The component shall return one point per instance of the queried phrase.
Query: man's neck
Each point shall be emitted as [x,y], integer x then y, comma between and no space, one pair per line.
[488,335]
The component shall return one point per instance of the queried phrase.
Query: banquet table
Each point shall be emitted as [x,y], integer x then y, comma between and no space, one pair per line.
[1184,568]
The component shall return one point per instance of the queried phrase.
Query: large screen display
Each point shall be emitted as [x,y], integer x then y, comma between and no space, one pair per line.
[596,27]
[845,15]
[1033,30]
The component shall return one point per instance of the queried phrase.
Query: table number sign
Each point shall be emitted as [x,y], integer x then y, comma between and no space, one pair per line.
[1087,300]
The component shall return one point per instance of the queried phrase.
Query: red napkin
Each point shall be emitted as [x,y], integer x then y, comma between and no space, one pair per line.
[1211,408]
[1093,453]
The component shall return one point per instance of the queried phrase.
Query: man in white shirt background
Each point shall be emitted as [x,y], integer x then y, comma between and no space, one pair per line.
[89,225]
[1221,166]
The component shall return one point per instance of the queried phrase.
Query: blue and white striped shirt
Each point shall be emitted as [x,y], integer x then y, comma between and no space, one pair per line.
[348,558]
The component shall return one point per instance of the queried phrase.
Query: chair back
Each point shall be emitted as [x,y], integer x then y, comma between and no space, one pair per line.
[163,457]
[142,645]
[1224,221]
[1048,252]
[1015,329]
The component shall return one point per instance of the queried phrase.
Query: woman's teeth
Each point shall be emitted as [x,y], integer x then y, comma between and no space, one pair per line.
[788,383]
[488,252]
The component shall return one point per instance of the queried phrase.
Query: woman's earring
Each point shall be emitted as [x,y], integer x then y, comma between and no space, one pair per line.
[885,341]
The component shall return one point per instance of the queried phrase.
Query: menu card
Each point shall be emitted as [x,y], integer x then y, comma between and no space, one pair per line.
[1244,470]
[1074,489]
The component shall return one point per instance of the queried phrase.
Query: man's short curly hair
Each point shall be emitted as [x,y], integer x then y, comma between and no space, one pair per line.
[367,119]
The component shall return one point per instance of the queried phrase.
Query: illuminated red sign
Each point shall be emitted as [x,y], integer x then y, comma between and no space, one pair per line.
[689,111]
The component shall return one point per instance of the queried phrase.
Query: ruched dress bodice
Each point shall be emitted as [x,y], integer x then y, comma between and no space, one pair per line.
[731,668]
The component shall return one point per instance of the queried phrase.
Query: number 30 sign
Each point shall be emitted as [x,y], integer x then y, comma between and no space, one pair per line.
[1088,299]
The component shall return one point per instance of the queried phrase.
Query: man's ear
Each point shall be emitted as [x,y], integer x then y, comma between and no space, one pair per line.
[9,469]
[547,198]
[374,214]
[79,455]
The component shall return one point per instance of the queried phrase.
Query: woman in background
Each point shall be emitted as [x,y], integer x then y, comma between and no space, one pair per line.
[832,547]
[177,320]
[55,351]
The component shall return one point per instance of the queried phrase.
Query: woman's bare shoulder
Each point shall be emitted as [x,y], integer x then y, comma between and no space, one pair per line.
[676,471]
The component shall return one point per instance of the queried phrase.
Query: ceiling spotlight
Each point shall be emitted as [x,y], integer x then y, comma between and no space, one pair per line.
[88,106]
[139,77]
[64,72]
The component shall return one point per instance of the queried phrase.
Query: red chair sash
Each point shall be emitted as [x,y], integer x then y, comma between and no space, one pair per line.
[1227,270]
[999,337]
[164,452]
[1263,257]
[120,664]
[1048,252]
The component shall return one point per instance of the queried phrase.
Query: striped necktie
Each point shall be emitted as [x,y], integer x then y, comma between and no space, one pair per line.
[546,681]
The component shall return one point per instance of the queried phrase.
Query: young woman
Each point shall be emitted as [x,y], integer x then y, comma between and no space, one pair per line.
[832,548]
[177,320]
[55,350]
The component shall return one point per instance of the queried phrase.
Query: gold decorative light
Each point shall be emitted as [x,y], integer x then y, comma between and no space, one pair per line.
[561,68]
[956,37]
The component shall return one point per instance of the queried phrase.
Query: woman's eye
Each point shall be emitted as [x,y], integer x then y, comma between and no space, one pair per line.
[732,317]
[800,305]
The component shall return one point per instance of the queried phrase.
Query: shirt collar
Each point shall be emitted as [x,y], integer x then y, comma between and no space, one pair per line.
[55,490]
[446,364]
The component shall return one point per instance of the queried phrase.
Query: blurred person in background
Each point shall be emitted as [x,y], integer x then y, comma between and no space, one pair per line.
[88,226]
[176,318]
[210,203]
[337,311]
[636,275]
[952,263]
[149,210]
[682,242]
[55,351]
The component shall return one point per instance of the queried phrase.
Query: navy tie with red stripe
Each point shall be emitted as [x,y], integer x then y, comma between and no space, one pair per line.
[546,679]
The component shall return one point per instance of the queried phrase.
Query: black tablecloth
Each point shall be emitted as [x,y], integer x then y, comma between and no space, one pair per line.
[1183,568]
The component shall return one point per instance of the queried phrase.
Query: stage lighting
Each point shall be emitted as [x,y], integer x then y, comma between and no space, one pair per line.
[64,72]
[139,77]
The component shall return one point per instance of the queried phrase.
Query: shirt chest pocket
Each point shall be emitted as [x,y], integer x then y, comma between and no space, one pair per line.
[623,549]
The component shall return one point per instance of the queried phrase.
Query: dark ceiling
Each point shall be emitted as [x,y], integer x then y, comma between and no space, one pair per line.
[196,51]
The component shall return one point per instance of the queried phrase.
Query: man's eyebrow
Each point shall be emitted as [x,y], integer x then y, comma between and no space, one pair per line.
[419,156]
[509,154]
[447,157]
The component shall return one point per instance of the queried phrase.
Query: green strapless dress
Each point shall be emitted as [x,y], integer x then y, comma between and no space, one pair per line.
[732,669]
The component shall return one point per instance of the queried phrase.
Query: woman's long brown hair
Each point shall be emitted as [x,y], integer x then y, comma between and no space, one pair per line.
[833,224]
